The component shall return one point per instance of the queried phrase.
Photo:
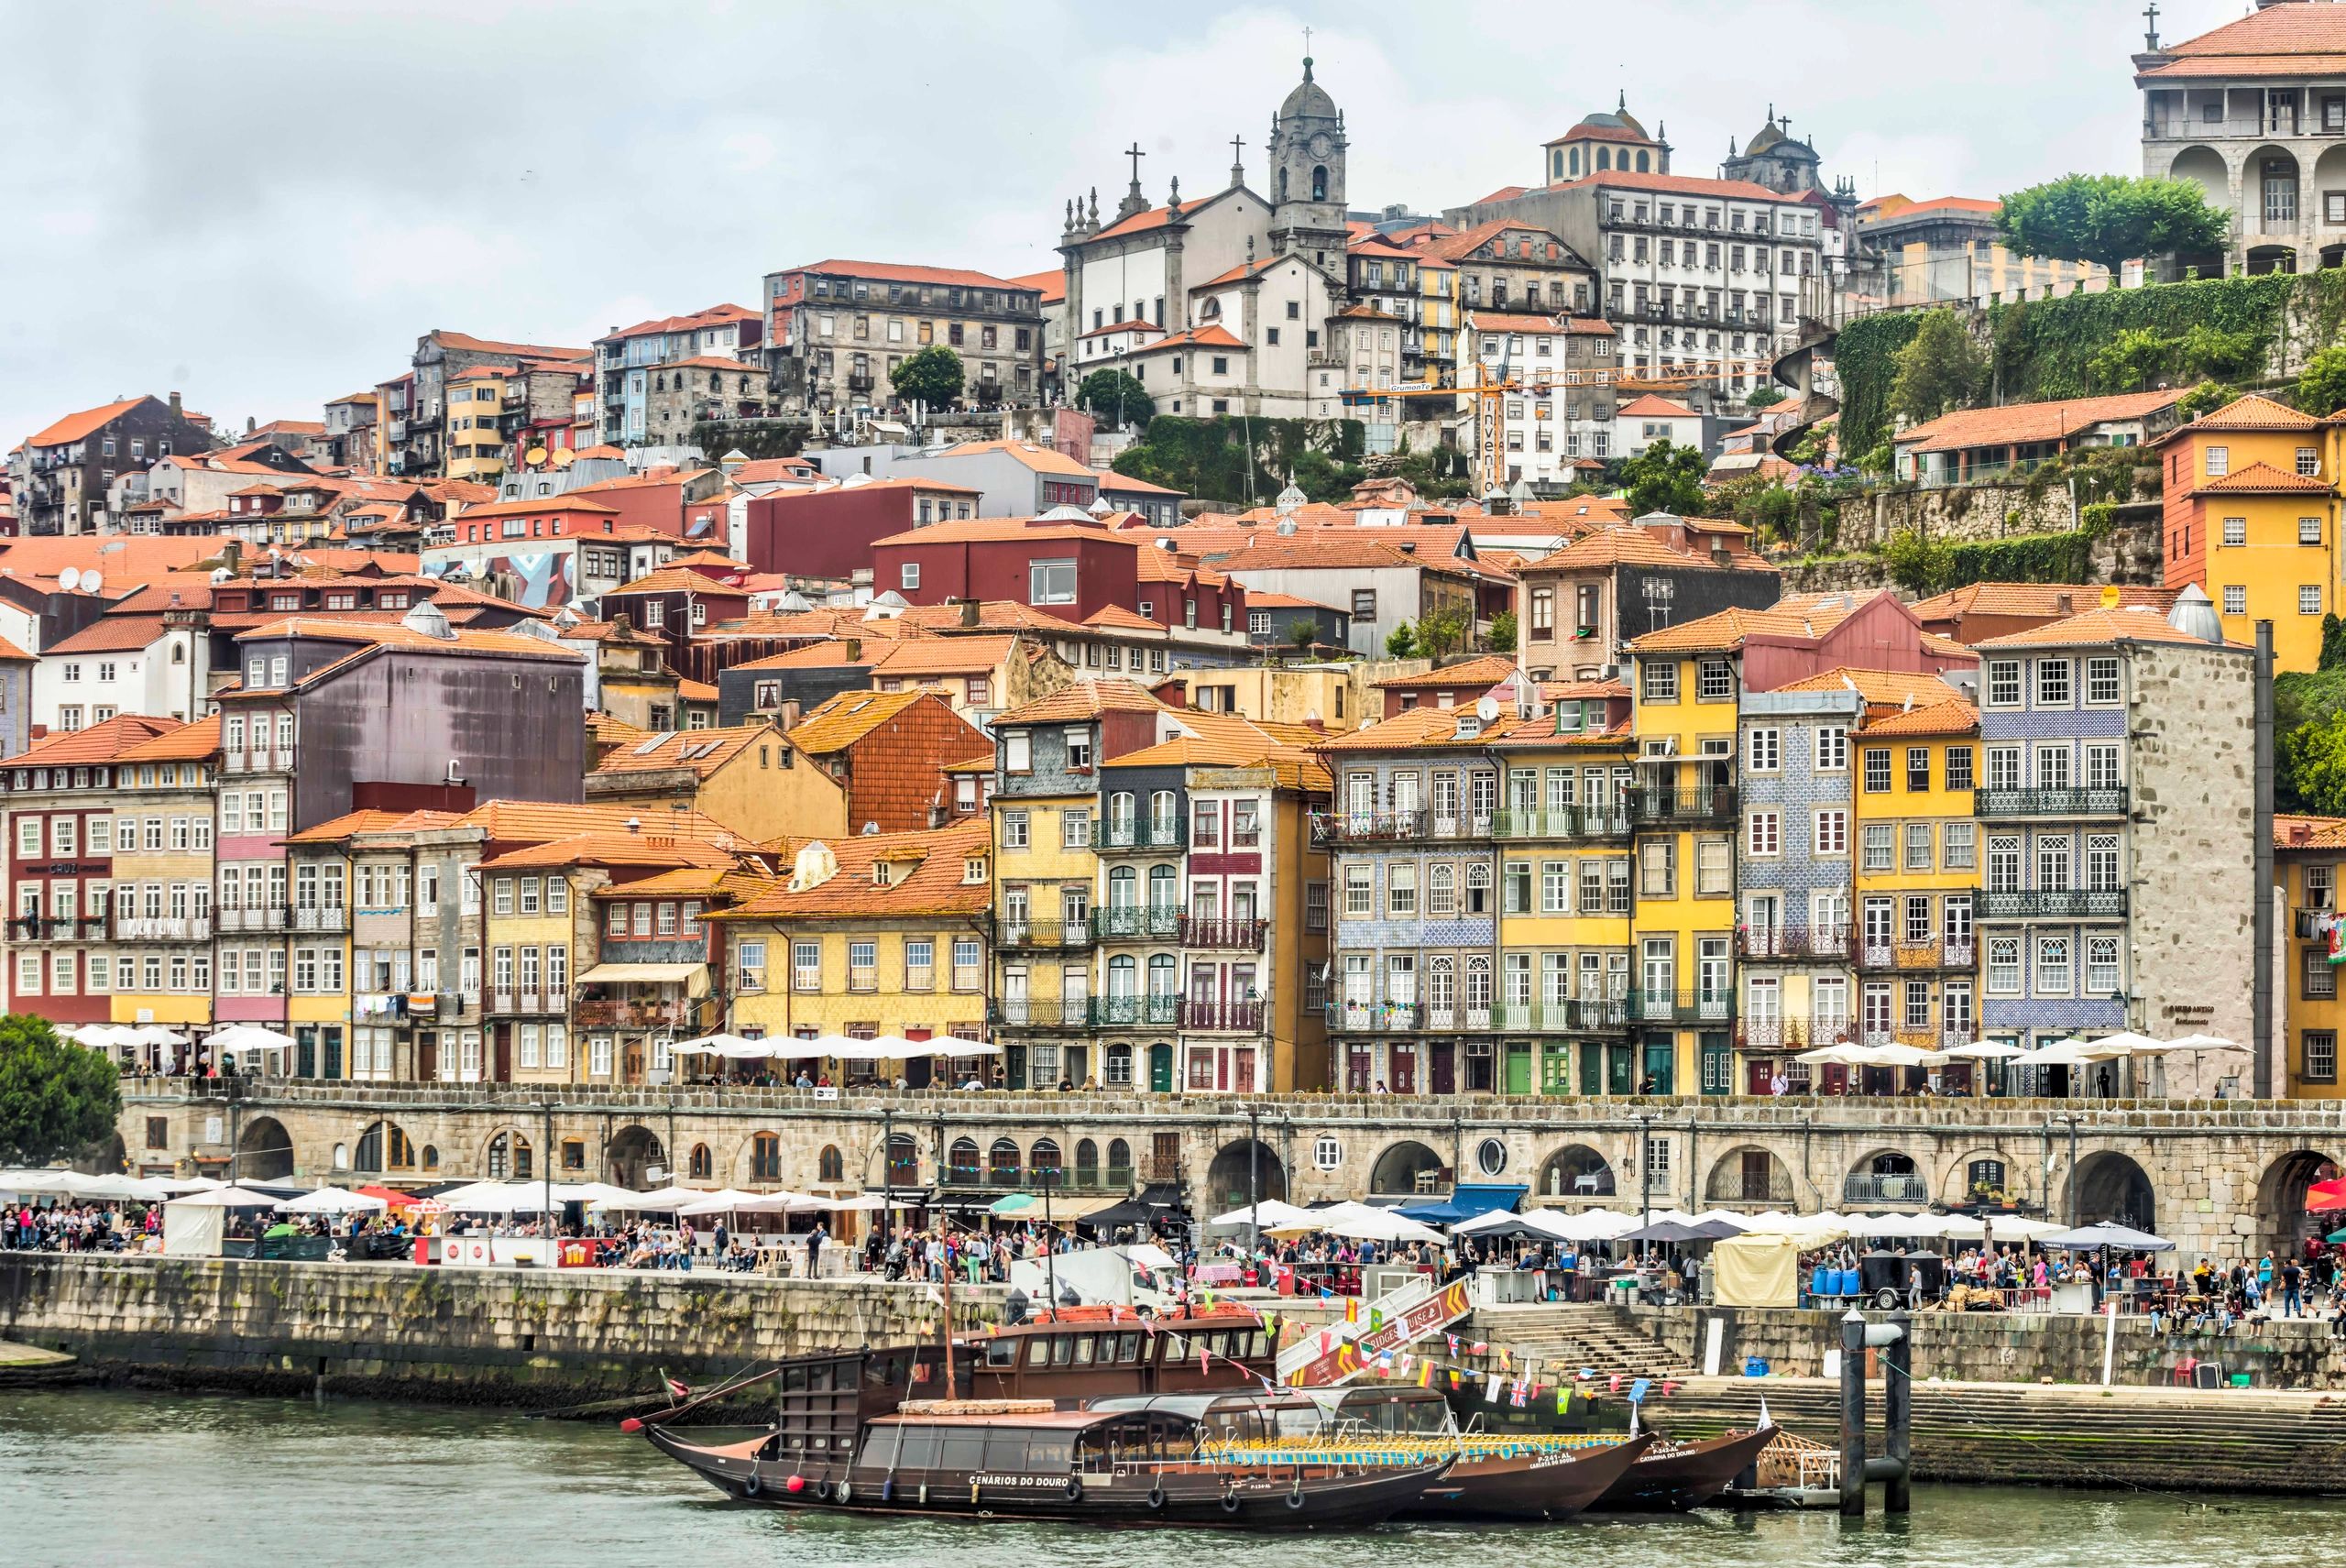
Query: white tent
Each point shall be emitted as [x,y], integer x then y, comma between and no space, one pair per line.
[117,1189]
[1361,1222]
[1268,1214]
[2008,1228]
[229,1197]
[956,1047]
[1841,1056]
[1907,1226]
[191,1231]
[1896,1055]
[733,1202]
[733,1047]
[38,1183]
[660,1200]
[1590,1225]
[1987,1050]
[333,1201]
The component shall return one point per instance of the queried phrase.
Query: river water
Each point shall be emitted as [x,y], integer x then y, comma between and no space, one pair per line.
[92,1479]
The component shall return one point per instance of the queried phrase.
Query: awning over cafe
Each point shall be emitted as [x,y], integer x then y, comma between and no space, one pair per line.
[692,975]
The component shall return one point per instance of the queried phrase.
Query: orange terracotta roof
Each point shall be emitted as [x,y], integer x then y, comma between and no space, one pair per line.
[849,717]
[2029,422]
[1954,716]
[1626,545]
[1051,284]
[1581,690]
[696,691]
[610,731]
[927,877]
[2295,832]
[2127,623]
[113,633]
[518,350]
[526,507]
[674,579]
[1458,247]
[1032,455]
[1894,687]
[993,615]
[1084,699]
[2034,599]
[715,315]
[1124,484]
[701,750]
[913,658]
[1214,336]
[187,744]
[1681,185]
[2290,40]
[1117,615]
[1814,616]
[1427,727]
[1335,552]
[1648,406]
[99,743]
[335,829]
[895,272]
[2254,412]
[75,427]
[535,821]
[2261,480]
[649,848]
[343,628]
[1486,671]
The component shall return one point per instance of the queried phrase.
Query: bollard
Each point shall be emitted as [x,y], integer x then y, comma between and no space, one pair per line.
[1853,1415]
[1898,1411]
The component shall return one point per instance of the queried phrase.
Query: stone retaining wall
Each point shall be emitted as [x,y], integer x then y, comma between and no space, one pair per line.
[505,1336]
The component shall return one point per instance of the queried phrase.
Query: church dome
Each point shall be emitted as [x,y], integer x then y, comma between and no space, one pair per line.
[1620,120]
[1309,98]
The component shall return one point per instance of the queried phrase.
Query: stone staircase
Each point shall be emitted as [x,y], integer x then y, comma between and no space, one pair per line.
[1575,1334]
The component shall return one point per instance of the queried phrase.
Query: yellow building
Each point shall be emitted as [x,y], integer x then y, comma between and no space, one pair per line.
[318,1001]
[2306,854]
[161,901]
[1563,833]
[476,420]
[2252,518]
[870,934]
[747,777]
[535,921]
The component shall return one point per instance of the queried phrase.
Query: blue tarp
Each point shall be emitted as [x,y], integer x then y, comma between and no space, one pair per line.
[1466,1201]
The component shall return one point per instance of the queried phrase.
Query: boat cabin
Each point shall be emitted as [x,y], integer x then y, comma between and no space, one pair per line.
[1001,1449]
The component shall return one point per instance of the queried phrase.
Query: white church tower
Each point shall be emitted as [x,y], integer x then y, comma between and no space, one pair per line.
[1307,171]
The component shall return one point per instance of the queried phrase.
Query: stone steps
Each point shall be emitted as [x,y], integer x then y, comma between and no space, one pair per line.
[1575,1335]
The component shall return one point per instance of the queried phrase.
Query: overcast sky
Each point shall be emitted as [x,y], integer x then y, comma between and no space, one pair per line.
[263,204]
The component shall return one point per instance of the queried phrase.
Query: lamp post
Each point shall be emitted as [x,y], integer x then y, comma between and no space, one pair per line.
[1254,1180]
[2072,1119]
[1645,1170]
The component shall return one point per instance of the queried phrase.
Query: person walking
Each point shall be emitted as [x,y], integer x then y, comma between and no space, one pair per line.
[2292,1280]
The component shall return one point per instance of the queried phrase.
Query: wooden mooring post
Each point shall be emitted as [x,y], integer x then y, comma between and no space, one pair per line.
[1894,1339]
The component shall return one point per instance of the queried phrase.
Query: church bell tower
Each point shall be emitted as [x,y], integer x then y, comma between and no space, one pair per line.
[1307,171]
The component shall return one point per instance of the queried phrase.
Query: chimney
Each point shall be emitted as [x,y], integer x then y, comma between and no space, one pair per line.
[176,412]
[854,650]
[970,612]
[2065,604]
[786,718]
[1718,553]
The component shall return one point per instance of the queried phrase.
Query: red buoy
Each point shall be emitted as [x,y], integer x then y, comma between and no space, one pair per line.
[797,1483]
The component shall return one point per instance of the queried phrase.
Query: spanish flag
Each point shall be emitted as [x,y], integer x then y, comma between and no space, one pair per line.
[1352,1308]
[1425,1373]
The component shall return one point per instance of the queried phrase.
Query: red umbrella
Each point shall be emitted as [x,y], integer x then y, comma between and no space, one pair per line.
[2326,1195]
[391,1196]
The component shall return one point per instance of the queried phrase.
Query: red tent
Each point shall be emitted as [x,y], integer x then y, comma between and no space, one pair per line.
[2326,1195]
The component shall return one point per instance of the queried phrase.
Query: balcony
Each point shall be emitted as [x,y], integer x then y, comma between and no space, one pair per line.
[272,917]
[1681,1006]
[321,918]
[859,381]
[1611,821]
[2096,801]
[1378,1017]
[1793,942]
[1394,827]
[2069,904]
[1713,804]
[183,928]
[1575,1015]
[1871,1189]
[1155,833]
[2189,128]
[1045,933]
[1226,1018]
[1924,955]
[1800,1033]
[1138,920]
[1160,1008]
[1040,1013]
[1233,932]
[628,1014]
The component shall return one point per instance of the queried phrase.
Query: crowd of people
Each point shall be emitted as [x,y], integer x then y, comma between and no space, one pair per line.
[84,1227]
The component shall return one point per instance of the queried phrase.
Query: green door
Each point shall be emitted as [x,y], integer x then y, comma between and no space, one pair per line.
[1518,1067]
[1618,1077]
[1013,1067]
[1662,1059]
[1592,1067]
[1160,1069]
[1719,1063]
[1555,1068]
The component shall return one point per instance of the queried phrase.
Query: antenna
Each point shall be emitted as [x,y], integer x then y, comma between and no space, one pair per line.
[90,581]
[1488,708]
[70,578]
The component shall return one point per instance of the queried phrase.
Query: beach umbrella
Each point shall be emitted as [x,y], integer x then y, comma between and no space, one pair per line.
[2007,1227]
[333,1201]
[1896,1055]
[1842,1055]
[1365,1223]
[956,1047]
[733,1047]
[1669,1231]
[2107,1234]
[60,1183]
[124,1188]
[2335,1238]
[1987,1050]
[229,1197]
[1268,1214]
[2322,1197]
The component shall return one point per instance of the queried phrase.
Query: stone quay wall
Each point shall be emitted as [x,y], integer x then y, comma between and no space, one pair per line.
[505,1336]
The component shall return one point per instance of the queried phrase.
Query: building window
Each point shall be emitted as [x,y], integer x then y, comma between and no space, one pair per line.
[2309,530]
[2053,978]
[1659,680]
[1762,751]
[2219,461]
[2309,598]
[1763,834]
[1832,832]
[2102,680]
[2235,599]
[1050,582]
[1876,769]
[2235,531]
[2318,1063]
[1713,681]
[2053,683]
[2003,683]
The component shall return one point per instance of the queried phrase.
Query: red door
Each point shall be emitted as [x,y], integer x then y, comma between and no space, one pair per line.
[504,1070]
[1405,1069]
[1443,1067]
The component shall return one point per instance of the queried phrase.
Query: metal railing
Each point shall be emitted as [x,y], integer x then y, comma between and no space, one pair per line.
[183,928]
[1045,933]
[2035,904]
[1571,1016]
[321,917]
[1609,821]
[1396,827]
[1682,1006]
[1156,1007]
[1711,804]
[1885,1189]
[1742,1186]
[1375,1015]
[1229,1018]
[632,1015]
[1138,920]
[1240,932]
[270,917]
[1797,1032]
[1140,833]
[2100,800]
[1040,1013]
[1922,955]
[1793,942]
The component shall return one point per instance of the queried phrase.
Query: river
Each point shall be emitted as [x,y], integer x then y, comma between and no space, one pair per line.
[92,1479]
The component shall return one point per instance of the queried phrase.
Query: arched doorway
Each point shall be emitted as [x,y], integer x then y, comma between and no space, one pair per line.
[1160,1069]
[384,1146]
[2282,1223]
[1982,1178]
[1576,1172]
[2109,1186]
[264,1151]
[1407,1170]
[628,1157]
[2270,193]
[1749,1175]
[1245,1166]
[511,1158]
[2205,166]
[1886,1177]
[903,1160]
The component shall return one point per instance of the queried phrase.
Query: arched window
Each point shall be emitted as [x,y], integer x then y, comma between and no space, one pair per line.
[1123,975]
[1120,1160]
[1442,981]
[508,1156]
[1642,167]
[1478,984]
[1319,182]
[1116,1072]
[1164,975]
[1087,1162]
[1441,890]
[383,1146]
[766,1157]
[1121,809]
[430,1158]
[1604,157]
[1001,1163]
[962,1163]
[699,1166]
[1161,815]
[829,1166]
[1478,889]
[1575,163]
[342,1156]
[1281,195]
[1124,891]
[1042,1167]
[1164,887]
[904,1161]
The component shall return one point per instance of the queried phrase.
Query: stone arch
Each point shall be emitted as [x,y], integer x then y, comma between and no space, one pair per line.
[1046,1164]
[384,1146]
[264,1151]
[901,1160]
[508,1156]
[1887,1176]
[630,1153]
[1406,1169]
[2108,1184]
[2207,167]
[1120,1159]
[761,1157]
[1980,1175]
[2282,1223]
[830,1166]
[700,1165]
[1749,1174]
[1576,1171]
[2328,175]
[961,1164]
[1087,1162]
[2282,210]
[1002,1164]
[1228,1177]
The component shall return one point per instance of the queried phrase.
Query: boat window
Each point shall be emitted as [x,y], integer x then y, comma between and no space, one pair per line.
[963,1450]
[1063,1350]
[1083,1347]
[1128,1348]
[794,1377]
[1218,1342]
[1001,1352]
[920,1451]
[884,1371]
[1006,1451]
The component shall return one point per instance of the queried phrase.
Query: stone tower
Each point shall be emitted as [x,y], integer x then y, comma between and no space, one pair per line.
[1307,171]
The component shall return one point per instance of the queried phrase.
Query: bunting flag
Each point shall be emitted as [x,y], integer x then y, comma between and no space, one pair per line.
[1425,1373]
[1456,1379]
[1507,1361]
[1208,1300]
[1205,1364]
[1376,1319]
[1491,1390]
[1563,1400]
[1638,1390]
[1669,1387]
[1326,1294]
[1766,1421]
[1480,1347]
[1352,1308]
[1453,1343]
[1271,1325]
[1613,1383]
[1519,1398]
[1327,1341]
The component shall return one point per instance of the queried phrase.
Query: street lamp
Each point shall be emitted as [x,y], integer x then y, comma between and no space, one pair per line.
[1645,1170]
[2072,1119]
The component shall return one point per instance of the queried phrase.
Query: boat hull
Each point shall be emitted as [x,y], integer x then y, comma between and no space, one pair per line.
[1532,1484]
[1197,1498]
[1683,1476]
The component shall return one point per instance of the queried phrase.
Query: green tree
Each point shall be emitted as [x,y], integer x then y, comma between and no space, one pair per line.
[933,377]
[1666,478]
[2207,396]
[56,1097]
[1764,396]
[1441,632]
[2111,219]
[2206,352]
[2130,361]
[1940,368]
[2309,765]
[2321,385]
[1116,398]
[1302,632]
[2333,643]
[1402,643]
[1503,632]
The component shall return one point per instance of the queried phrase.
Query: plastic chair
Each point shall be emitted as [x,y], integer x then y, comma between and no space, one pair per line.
[2184,1370]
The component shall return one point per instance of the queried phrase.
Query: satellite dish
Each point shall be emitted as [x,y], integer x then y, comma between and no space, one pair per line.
[1487,709]
[92,582]
[564,458]
[534,456]
[70,578]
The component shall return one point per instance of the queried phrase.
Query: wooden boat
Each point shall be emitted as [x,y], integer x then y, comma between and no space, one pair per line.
[1673,1477]
[1028,1460]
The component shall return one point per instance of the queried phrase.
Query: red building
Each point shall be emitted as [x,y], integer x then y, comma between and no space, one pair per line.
[830,532]
[662,497]
[1062,561]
